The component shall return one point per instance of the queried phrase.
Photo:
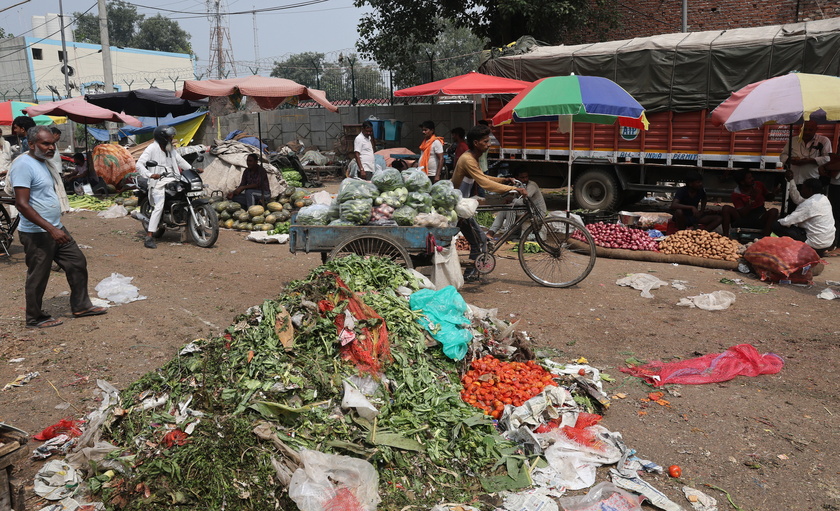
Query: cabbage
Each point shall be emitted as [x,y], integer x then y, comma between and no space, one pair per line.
[394,198]
[352,189]
[416,181]
[387,180]
[356,211]
[405,216]
[444,196]
[317,214]
[422,202]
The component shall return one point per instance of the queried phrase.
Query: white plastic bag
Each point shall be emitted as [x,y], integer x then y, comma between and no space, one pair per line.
[115,211]
[118,289]
[330,481]
[466,208]
[447,268]
[715,301]
[354,398]
[604,495]
[643,282]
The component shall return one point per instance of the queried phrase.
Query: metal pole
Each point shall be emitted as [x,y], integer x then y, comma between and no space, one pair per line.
[685,15]
[107,71]
[66,77]
[571,159]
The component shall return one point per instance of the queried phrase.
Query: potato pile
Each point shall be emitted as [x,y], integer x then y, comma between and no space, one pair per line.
[709,245]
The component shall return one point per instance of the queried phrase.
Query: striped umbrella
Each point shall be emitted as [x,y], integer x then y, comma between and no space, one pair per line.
[11,109]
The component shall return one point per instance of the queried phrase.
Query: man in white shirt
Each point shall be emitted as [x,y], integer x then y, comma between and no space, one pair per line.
[806,154]
[364,147]
[504,219]
[431,149]
[170,165]
[813,221]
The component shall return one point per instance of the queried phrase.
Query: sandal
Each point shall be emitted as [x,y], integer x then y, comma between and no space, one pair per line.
[46,323]
[93,311]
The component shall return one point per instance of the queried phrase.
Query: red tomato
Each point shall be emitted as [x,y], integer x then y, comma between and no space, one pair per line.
[674,471]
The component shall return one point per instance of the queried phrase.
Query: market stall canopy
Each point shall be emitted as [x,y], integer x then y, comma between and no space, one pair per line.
[470,83]
[185,126]
[11,109]
[79,110]
[153,102]
[789,99]
[268,93]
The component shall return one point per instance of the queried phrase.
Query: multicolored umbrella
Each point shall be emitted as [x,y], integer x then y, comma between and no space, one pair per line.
[571,99]
[467,84]
[789,99]
[11,109]
[584,98]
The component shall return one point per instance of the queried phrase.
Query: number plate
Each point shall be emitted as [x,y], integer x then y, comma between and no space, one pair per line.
[193,194]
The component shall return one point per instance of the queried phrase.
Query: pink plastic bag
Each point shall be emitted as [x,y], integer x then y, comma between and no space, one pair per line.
[740,360]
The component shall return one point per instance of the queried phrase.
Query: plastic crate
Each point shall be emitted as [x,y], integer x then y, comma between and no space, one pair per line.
[594,218]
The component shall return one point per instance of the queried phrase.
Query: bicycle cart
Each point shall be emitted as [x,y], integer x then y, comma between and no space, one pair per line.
[407,246]
[8,225]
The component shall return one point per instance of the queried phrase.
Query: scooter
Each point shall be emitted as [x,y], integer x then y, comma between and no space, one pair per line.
[183,207]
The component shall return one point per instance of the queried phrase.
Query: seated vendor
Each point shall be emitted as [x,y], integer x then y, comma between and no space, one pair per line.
[812,222]
[254,185]
[689,205]
[79,174]
[747,209]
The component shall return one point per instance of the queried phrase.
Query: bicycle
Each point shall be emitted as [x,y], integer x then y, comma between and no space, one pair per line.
[561,261]
[8,225]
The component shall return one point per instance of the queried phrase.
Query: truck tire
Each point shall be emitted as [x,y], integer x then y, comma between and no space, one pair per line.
[597,189]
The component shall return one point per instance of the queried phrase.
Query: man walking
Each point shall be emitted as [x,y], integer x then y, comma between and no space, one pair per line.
[43,236]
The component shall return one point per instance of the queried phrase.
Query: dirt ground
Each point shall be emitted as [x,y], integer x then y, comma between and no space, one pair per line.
[771,442]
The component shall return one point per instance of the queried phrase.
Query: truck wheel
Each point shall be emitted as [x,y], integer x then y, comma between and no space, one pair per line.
[597,189]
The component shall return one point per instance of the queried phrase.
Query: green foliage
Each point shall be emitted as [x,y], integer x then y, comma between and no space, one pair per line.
[4,34]
[303,68]
[346,79]
[162,34]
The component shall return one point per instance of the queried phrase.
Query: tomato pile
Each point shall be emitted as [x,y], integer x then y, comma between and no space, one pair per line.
[491,384]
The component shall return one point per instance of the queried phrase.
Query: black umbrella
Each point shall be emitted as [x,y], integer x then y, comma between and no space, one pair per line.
[152,102]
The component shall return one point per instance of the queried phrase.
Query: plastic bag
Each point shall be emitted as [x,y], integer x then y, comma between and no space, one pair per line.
[405,216]
[447,269]
[445,319]
[444,196]
[357,211]
[316,214]
[387,180]
[782,259]
[63,427]
[604,495]
[643,282]
[715,301]
[416,180]
[422,202]
[332,482]
[115,211]
[431,220]
[466,208]
[354,398]
[740,360]
[118,289]
[352,189]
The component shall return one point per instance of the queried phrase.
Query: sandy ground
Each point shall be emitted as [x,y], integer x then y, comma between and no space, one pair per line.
[770,441]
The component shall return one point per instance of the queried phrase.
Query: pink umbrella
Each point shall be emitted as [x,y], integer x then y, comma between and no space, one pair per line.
[79,110]
[268,93]
[470,83]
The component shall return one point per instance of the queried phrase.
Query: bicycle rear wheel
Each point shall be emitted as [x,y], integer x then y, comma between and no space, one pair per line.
[561,261]
[7,229]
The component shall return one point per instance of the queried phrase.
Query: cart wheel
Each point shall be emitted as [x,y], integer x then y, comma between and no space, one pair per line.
[485,263]
[558,264]
[373,245]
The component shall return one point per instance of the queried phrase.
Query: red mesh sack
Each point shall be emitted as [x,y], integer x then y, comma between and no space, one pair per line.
[782,259]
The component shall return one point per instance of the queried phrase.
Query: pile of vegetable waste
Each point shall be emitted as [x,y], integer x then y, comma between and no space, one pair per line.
[186,432]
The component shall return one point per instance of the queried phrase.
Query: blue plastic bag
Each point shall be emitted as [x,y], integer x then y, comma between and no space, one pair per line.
[445,320]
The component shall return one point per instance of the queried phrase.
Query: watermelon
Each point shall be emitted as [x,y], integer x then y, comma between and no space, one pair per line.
[233,206]
[256,211]
[271,219]
[259,219]
[274,206]
[224,215]
[229,223]
[221,206]
[242,216]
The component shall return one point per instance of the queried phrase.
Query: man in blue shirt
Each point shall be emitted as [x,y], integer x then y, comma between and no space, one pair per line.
[689,205]
[43,236]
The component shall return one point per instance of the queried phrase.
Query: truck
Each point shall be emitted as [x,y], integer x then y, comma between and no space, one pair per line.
[679,79]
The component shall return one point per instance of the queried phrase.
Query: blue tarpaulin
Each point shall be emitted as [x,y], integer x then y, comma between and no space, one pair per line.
[149,126]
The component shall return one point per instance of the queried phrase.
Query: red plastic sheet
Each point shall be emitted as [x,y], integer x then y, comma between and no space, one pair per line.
[63,427]
[740,360]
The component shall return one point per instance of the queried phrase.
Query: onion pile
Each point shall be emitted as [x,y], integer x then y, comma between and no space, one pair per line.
[619,236]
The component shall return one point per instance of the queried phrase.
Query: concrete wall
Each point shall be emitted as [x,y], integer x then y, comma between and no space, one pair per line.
[325,129]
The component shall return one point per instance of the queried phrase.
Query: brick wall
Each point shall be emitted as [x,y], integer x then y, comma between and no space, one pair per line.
[641,18]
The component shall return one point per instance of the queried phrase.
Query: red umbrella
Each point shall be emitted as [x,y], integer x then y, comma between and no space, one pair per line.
[268,93]
[79,110]
[470,83]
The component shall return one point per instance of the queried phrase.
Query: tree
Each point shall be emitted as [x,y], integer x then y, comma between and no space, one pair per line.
[394,31]
[162,34]
[304,68]
[123,20]
[3,34]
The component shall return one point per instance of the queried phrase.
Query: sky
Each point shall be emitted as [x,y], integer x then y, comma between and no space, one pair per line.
[327,27]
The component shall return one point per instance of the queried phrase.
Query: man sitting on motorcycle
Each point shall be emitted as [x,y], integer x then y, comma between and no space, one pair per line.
[169,166]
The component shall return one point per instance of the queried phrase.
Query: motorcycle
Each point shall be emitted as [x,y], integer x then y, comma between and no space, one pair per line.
[183,206]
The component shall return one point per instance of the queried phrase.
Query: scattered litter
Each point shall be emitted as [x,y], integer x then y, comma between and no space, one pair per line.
[699,500]
[832,282]
[22,380]
[58,444]
[63,427]
[679,285]
[454,507]
[118,289]
[529,501]
[56,480]
[69,504]
[115,211]
[829,294]
[16,360]
[740,360]
[354,398]
[603,496]
[643,282]
[637,485]
[714,301]
[265,237]
[331,481]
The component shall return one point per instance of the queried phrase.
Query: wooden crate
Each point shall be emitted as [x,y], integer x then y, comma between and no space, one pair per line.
[11,490]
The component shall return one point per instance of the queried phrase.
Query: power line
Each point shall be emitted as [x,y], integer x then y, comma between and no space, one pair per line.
[252,11]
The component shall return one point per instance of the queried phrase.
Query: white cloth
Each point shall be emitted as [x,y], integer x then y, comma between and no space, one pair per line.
[814,215]
[817,148]
[169,163]
[364,146]
[432,165]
